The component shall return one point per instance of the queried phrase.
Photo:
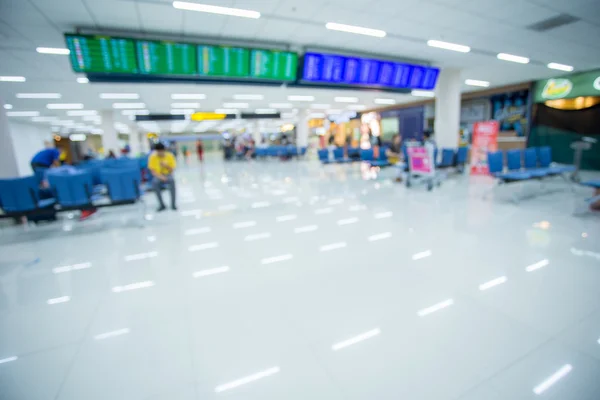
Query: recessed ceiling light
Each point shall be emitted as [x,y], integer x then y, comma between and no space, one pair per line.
[44,119]
[64,106]
[422,93]
[448,46]
[22,113]
[81,113]
[188,96]
[234,12]
[320,106]
[281,105]
[513,58]
[38,95]
[560,67]
[226,111]
[475,82]
[265,111]
[385,101]
[135,112]
[83,79]
[182,111]
[53,50]
[248,97]
[355,29]
[356,107]
[91,118]
[119,96]
[185,105]
[12,79]
[301,98]
[236,105]
[128,106]
[316,115]
[345,99]
[8,106]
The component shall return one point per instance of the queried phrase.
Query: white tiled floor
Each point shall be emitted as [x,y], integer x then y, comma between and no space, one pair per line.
[295,281]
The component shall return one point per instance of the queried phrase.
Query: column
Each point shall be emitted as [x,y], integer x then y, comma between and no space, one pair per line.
[135,144]
[302,128]
[256,135]
[110,138]
[447,108]
[9,167]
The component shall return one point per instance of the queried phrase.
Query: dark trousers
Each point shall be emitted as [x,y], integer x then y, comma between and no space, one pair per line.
[157,185]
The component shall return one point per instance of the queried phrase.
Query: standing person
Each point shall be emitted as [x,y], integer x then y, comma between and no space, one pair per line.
[44,159]
[162,164]
[184,151]
[200,150]
[111,154]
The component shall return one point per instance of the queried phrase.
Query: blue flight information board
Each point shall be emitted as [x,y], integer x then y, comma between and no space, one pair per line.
[357,71]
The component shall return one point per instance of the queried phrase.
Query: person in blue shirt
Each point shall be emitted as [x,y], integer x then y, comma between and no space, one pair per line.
[46,158]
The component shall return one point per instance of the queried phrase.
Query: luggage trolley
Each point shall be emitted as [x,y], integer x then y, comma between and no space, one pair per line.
[421,167]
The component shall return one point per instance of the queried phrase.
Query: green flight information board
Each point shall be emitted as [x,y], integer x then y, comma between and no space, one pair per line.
[166,58]
[101,54]
[276,65]
[217,61]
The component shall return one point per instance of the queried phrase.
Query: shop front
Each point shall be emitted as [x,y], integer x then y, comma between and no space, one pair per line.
[567,111]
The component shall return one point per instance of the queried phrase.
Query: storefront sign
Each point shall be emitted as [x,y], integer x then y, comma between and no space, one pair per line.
[485,139]
[576,85]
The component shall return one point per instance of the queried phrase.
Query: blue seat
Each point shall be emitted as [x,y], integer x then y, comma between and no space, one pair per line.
[292,150]
[366,154]
[382,160]
[545,159]
[461,155]
[21,195]
[593,183]
[531,164]
[496,168]
[353,152]
[123,185]
[338,155]
[260,152]
[303,150]
[323,155]
[447,159]
[72,190]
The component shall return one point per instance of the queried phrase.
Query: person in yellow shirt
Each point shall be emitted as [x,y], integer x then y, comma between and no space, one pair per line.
[162,164]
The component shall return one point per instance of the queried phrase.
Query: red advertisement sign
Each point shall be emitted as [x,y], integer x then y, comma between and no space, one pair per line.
[485,139]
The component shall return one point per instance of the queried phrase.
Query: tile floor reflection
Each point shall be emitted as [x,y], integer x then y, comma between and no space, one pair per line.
[289,280]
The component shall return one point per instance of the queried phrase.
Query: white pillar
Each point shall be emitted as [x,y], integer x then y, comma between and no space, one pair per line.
[302,129]
[110,137]
[134,141]
[256,135]
[447,108]
[9,167]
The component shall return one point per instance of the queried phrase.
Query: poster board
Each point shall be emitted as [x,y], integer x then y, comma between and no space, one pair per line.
[485,139]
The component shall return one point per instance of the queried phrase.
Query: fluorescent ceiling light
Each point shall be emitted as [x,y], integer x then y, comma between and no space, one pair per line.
[281,105]
[234,12]
[301,98]
[186,96]
[356,107]
[265,111]
[38,95]
[128,106]
[385,101]
[448,46]
[53,50]
[345,99]
[513,58]
[334,111]
[560,67]
[320,106]
[552,379]
[356,339]
[355,29]
[77,137]
[185,105]
[135,112]
[81,113]
[182,111]
[226,111]
[83,79]
[475,82]
[247,379]
[248,97]
[119,96]
[236,105]
[92,118]
[22,113]
[64,106]
[64,122]
[422,93]
[316,115]
[44,119]
[12,79]
[8,106]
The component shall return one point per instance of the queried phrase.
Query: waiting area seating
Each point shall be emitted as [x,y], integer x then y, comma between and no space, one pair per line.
[280,151]
[92,184]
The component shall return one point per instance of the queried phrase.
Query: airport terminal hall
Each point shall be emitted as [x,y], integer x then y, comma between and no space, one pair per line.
[299,200]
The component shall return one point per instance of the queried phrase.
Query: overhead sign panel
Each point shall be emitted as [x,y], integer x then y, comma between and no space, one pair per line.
[366,72]
[219,61]
[102,54]
[166,58]
[275,65]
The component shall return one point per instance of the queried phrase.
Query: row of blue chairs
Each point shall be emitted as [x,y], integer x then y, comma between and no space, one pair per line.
[70,189]
[280,151]
[523,165]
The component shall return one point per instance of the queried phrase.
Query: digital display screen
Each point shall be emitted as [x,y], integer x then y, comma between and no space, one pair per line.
[344,70]
[102,54]
[217,61]
[275,65]
[166,58]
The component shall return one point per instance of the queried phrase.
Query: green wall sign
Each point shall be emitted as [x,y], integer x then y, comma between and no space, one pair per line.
[568,87]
